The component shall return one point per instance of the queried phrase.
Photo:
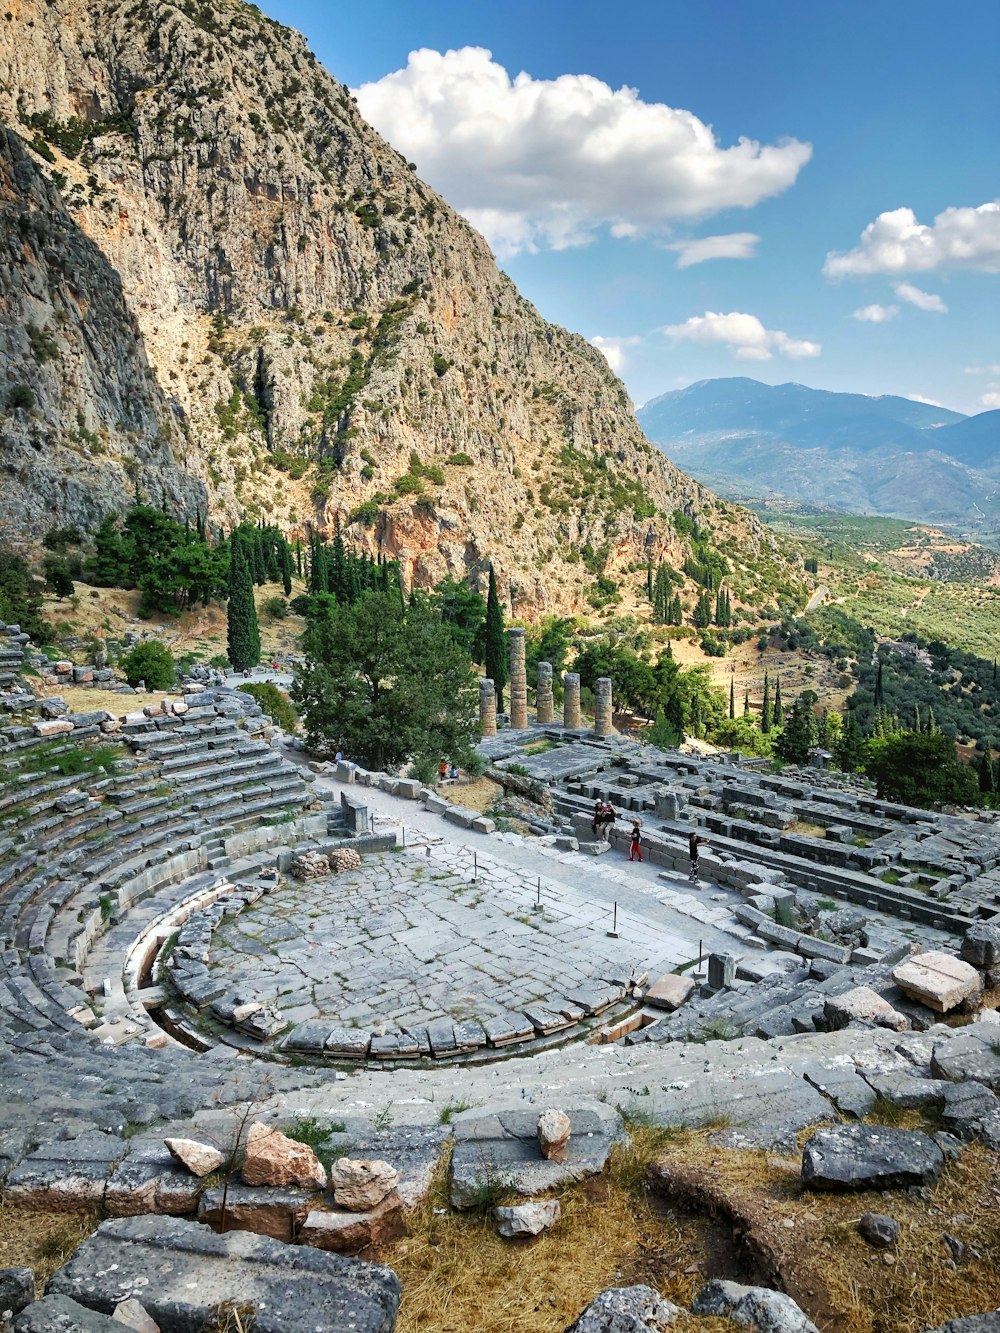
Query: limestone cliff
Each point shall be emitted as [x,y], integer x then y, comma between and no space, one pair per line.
[334,342]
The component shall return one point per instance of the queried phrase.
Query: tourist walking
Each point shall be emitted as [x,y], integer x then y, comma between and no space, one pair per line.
[635,850]
[595,823]
[607,820]
[694,842]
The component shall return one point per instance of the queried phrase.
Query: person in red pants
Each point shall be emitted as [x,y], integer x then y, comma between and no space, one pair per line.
[635,850]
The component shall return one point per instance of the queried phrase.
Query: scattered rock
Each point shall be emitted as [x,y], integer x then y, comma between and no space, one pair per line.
[939,980]
[58,1314]
[863,1157]
[981,945]
[134,1316]
[359,1185]
[758,1308]
[310,865]
[201,1159]
[527,1219]
[17,1290]
[271,1158]
[863,1005]
[553,1135]
[878,1230]
[973,1323]
[637,1309]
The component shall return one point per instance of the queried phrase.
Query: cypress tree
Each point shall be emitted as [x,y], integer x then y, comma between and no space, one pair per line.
[286,569]
[242,630]
[298,556]
[495,654]
[746,703]
[338,578]
[779,712]
[271,559]
[732,696]
[987,776]
[879,695]
[200,529]
[765,707]
[994,671]
[649,578]
[256,539]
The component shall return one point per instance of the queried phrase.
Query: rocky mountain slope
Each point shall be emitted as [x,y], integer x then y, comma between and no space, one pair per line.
[845,451]
[328,340]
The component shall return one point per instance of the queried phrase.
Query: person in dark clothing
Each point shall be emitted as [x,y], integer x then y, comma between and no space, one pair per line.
[607,821]
[595,823]
[694,842]
[635,850]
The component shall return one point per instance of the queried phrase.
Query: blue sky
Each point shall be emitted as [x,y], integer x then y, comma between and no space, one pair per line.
[591,196]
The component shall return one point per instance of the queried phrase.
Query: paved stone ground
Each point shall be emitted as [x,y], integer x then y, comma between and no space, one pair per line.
[409,939]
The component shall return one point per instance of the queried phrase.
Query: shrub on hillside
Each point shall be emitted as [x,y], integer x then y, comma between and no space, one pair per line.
[152,663]
[275,703]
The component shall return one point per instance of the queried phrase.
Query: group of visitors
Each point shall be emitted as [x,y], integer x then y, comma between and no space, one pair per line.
[604,821]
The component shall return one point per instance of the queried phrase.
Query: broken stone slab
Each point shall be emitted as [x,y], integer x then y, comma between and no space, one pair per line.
[58,1314]
[501,1145]
[637,1309]
[554,1129]
[201,1159]
[939,980]
[869,1157]
[271,1158]
[278,1213]
[150,1180]
[182,1272]
[66,1172]
[670,991]
[526,1219]
[846,1089]
[753,1307]
[970,1054]
[863,1005]
[343,1232]
[361,1184]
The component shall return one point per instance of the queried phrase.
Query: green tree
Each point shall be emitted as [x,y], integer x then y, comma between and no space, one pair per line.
[746,702]
[111,563]
[387,685]
[851,750]
[766,717]
[275,703]
[463,610]
[20,597]
[732,696]
[778,716]
[242,629]
[494,642]
[987,773]
[151,662]
[921,770]
[799,733]
[57,575]
[286,569]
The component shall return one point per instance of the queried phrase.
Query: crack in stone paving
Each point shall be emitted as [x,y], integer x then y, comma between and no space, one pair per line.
[409,939]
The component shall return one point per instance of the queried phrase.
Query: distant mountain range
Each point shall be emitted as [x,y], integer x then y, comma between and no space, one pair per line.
[844,451]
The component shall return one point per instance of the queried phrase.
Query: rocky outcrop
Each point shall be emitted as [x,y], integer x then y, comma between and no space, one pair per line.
[82,416]
[333,340]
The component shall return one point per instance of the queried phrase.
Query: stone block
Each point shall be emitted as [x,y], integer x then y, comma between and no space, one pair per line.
[637,1309]
[670,991]
[409,788]
[863,1005]
[184,1272]
[939,980]
[483,824]
[981,945]
[869,1157]
[58,1314]
[264,1211]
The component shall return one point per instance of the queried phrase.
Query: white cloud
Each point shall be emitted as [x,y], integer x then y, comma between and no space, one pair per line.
[990,400]
[550,162]
[876,314]
[919,398]
[743,334]
[982,370]
[614,349]
[736,245]
[922,300]
[897,243]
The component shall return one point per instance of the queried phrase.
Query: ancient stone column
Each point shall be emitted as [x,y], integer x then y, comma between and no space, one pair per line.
[571,700]
[602,707]
[487,708]
[544,707]
[518,681]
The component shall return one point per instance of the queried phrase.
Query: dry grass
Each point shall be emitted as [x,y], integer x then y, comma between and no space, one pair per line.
[479,794]
[42,1240]
[806,829]
[83,700]
[459,1277]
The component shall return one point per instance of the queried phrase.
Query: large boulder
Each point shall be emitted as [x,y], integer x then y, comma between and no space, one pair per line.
[757,1308]
[869,1157]
[271,1158]
[637,1309]
[863,1005]
[939,980]
[183,1272]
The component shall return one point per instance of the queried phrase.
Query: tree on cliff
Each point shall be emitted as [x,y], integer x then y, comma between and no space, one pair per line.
[494,642]
[242,630]
[387,685]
